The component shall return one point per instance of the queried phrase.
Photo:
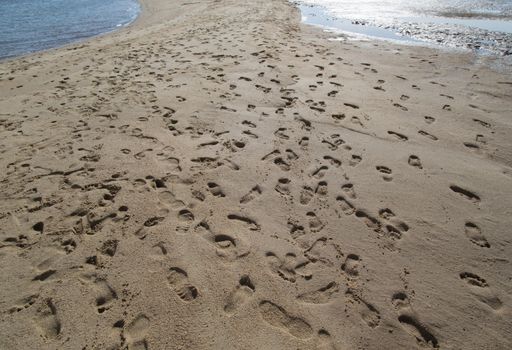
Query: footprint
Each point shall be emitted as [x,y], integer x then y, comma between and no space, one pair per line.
[283,186]
[398,136]
[480,289]
[482,123]
[185,215]
[178,280]
[355,160]
[322,189]
[44,276]
[394,227]
[409,321]
[284,166]
[338,117]
[369,220]
[465,193]
[135,333]
[251,195]
[315,224]
[351,265]
[281,134]
[226,246]
[471,146]
[320,172]
[415,162]
[304,142]
[24,303]
[306,195]
[386,172]
[168,198]
[296,229]
[349,190]
[109,247]
[243,291]
[334,162]
[422,335]
[325,341]
[286,268]
[474,233]
[345,205]
[278,317]
[250,223]
[426,134]
[104,293]
[429,120]
[215,189]
[322,295]
[47,320]
[369,314]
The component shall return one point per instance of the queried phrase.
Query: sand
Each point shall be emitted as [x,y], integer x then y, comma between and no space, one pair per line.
[220,176]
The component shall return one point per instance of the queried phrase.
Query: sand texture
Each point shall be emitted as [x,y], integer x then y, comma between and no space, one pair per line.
[220,176]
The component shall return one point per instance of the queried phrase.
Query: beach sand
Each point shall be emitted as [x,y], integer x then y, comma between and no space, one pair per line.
[220,176]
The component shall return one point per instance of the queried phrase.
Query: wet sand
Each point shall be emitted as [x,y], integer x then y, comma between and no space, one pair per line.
[220,176]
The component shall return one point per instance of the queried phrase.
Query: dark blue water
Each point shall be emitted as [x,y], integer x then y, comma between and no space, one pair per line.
[33,25]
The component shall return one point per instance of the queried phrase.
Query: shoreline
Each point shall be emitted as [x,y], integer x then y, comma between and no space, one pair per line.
[433,34]
[76,41]
[219,175]
[147,16]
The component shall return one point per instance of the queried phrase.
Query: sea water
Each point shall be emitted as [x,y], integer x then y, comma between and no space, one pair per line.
[475,24]
[33,25]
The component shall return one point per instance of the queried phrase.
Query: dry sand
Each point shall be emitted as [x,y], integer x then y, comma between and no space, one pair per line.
[220,176]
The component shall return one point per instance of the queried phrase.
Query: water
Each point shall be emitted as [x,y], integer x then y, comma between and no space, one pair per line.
[33,25]
[481,25]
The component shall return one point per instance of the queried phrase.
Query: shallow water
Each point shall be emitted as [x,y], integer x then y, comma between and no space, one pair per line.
[33,25]
[480,25]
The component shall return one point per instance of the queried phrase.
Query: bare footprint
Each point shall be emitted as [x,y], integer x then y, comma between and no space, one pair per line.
[47,320]
[386,172]
[306,194]
[465,193]
[415,162]
[349,190]
[355,160]
[325,341]
[410,323]
[239,296]
[427,135]
[315,224]
[481,290]
[251,195]
[351,265]
[321,295]
[283,186]
[250,223]
[398,136]
[287,267]
[135,333]
[369,314]
[215,189]
[416,329]
[474,233]
[429,120]
[278,317]
[346,207]
[104,293]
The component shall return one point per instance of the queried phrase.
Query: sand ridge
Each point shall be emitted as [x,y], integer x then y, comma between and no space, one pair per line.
[219,176]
